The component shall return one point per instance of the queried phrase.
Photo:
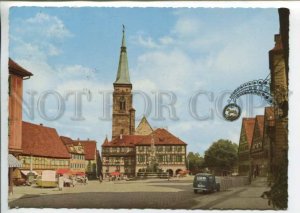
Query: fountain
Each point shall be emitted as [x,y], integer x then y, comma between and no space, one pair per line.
[152,170]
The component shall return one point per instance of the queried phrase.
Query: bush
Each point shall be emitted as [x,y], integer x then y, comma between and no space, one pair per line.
[278,195]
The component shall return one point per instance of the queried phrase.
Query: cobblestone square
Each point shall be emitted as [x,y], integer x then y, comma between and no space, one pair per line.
[155,194]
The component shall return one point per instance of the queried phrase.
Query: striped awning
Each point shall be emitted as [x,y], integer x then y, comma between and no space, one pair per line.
[13,162]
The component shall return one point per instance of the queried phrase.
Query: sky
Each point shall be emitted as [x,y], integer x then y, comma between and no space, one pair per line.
[196,56]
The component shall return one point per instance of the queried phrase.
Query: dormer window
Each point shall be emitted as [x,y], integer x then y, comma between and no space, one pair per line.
[122,103]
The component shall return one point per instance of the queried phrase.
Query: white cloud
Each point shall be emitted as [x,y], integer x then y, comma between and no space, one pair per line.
[168,69]
[46,25]
[76,71]
[146,42]
[166,40]
[53,50]
[187,27]
[145,85]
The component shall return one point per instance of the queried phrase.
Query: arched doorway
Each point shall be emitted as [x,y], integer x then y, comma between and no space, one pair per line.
[170,171]
[177,171]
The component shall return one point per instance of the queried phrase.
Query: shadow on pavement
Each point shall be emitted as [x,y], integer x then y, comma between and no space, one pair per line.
[140,200]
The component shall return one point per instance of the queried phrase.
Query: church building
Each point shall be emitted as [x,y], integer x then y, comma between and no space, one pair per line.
[129,150]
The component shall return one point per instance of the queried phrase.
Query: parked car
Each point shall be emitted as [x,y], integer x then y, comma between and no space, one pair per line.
[204,182]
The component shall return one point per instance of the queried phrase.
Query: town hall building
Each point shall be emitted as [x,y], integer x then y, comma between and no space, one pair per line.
[129,150]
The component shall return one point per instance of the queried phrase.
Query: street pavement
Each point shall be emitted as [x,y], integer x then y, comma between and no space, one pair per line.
[154,194]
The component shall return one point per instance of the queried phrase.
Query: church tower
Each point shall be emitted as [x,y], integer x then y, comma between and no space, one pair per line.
[123,116]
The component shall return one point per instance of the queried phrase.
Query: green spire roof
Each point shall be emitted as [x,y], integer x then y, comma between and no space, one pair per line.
[123,71]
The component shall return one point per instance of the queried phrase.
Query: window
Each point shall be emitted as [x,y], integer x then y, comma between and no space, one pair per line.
[159,148]
[122,103]
[141,148]
[168,148]
[141,158]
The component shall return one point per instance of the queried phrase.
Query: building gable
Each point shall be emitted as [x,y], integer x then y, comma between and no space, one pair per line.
[144,127]
[257,139]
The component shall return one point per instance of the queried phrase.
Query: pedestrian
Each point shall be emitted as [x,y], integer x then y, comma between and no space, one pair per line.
[86,180]
[100,178]
[60,182]
[73,181]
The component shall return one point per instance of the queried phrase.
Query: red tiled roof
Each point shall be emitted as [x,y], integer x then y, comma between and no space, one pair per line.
[66,140]
[90,148]
[105,141]
[69,143]
[248,124]
[43,141]
[161,137]
[259,119]
[16,69]
[126,140]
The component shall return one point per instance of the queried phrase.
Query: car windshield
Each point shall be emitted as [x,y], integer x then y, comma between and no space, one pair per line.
[201,178]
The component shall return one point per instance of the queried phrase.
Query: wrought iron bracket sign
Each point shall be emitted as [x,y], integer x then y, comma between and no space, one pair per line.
[232,111]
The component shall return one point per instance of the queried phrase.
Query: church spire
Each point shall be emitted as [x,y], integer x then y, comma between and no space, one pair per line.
[123,71]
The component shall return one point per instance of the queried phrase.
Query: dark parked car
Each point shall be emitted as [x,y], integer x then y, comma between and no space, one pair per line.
[204,182]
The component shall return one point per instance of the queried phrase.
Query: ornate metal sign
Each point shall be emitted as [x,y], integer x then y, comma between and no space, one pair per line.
[260,87]
[231,112]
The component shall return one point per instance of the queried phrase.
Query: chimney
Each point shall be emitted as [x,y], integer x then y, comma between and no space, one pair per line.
[41,124]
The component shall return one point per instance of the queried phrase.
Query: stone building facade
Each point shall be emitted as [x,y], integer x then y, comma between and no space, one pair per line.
[270,150]
[90,156]
[76,151]
[42,149]
[257,155]
[245,145]
[123,113]
[170,152]
[15,91]
[269,123]
[128,151]
[129,154]
[15,95]
[254,153]
[279,90]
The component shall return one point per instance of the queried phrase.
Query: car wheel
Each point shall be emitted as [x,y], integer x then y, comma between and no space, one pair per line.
[195,191]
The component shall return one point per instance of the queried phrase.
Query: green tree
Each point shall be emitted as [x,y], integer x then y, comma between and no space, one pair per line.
[194,161]
[278,195]
[221,156]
